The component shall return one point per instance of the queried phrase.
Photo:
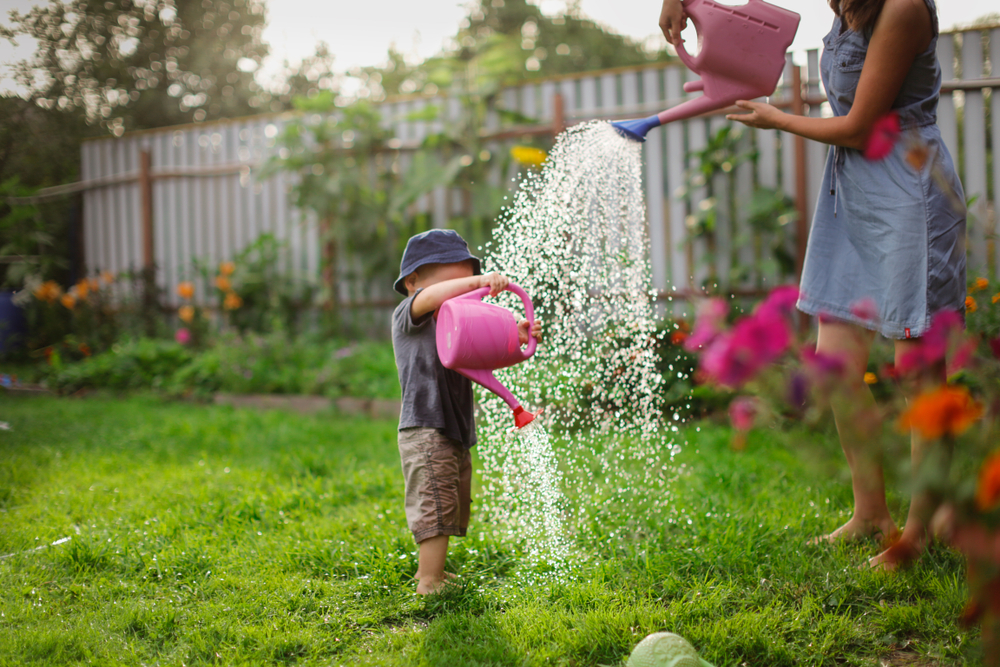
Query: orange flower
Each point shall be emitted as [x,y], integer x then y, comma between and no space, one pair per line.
[917,156]
[48,291]
[83,347]
[83,288]
[870,378]
[185,289]
[232,301]
[227,268]
[947,410]
[988,491]
[107,277]
[94,283]
[222,282]
[970,305]
[68,300]
[981,284]
[186,313]
[996,297]
[678,337]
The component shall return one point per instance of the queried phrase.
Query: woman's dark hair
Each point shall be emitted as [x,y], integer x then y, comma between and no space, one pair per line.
[860,15]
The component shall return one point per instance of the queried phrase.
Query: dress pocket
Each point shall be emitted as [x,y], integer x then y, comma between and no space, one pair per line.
[850,60]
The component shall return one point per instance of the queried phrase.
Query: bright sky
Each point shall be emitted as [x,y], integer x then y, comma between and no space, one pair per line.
[360,33]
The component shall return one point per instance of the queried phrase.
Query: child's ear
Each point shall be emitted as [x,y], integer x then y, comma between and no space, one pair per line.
[410,282]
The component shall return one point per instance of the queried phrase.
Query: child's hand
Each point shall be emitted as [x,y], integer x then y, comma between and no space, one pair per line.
[495,281]
[673,19]
[522,331]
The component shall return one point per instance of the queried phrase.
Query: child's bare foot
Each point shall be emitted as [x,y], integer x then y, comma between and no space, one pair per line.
[430,585]
[857,530]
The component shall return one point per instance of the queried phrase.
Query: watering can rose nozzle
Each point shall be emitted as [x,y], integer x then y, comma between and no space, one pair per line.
[522,417]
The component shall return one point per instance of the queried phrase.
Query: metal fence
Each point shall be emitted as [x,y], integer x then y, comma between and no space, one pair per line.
[174,195]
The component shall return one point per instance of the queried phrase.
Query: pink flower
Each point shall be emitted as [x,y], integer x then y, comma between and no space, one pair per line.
[885,134]
[183,336]
[934,344]
[742,411]
[781,301]
[708,324]
[735,357]
[865,309]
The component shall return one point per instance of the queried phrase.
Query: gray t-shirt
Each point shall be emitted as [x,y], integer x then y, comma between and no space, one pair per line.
[433,396]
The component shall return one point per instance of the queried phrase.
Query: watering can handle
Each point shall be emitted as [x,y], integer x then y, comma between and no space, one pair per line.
[529,311]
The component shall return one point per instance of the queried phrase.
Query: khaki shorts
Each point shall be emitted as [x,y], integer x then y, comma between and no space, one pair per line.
[438,473]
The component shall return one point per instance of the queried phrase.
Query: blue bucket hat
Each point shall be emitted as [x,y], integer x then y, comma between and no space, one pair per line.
[435,246]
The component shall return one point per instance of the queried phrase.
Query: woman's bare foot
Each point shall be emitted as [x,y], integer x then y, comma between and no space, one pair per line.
[857,530]
[904,552]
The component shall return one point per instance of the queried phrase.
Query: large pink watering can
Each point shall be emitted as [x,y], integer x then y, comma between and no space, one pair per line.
[476,338]
[741,57]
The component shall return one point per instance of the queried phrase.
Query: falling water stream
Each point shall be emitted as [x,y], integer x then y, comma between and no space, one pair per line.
[597,462]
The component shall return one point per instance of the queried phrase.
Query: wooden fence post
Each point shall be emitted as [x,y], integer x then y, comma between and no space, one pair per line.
[558,115]
[146,206]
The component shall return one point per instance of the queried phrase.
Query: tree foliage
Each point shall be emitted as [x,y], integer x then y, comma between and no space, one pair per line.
[134,64]
[510,40]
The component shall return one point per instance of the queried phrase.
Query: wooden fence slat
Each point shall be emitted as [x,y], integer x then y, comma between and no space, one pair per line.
[995,124]
[974,167]
[947,119]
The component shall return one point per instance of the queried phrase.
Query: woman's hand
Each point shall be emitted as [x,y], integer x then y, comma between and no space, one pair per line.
[522,331]
[762,116]
[495,281]
[672,20]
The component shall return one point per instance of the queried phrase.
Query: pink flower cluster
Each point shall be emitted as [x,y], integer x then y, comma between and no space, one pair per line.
[945,338]
[732,358]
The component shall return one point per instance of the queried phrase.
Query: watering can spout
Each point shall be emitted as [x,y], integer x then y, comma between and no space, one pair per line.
[636,129]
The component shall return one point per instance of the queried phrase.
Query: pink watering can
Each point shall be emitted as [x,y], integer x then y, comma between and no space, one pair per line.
[476,338]
[741,57]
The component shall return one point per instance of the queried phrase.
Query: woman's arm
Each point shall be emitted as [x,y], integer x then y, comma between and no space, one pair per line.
[903,30]
[672,20]
[431,297]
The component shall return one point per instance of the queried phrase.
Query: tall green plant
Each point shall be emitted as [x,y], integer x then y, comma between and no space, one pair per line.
[768,213]
[350,178]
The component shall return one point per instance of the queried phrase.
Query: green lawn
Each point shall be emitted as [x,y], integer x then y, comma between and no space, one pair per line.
[207,535]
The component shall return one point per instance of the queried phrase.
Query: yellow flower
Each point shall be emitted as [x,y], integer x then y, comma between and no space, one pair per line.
[988,491]
[527,155]
[107,277]
[68,300]
[185,289]
[222,282]
[870,378]
[979,285]
[227,268]
[232,301]
[947,410]
[186,313]
[970,305]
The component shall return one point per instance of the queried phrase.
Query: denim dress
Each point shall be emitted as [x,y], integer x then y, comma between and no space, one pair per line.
[884,231]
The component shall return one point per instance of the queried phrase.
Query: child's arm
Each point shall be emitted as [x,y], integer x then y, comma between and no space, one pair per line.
[431,298]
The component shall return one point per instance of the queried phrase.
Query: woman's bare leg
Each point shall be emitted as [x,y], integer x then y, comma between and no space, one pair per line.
[859,428]
[915,536]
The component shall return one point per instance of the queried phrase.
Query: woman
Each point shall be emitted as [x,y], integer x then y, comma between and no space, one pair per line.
[884,231]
